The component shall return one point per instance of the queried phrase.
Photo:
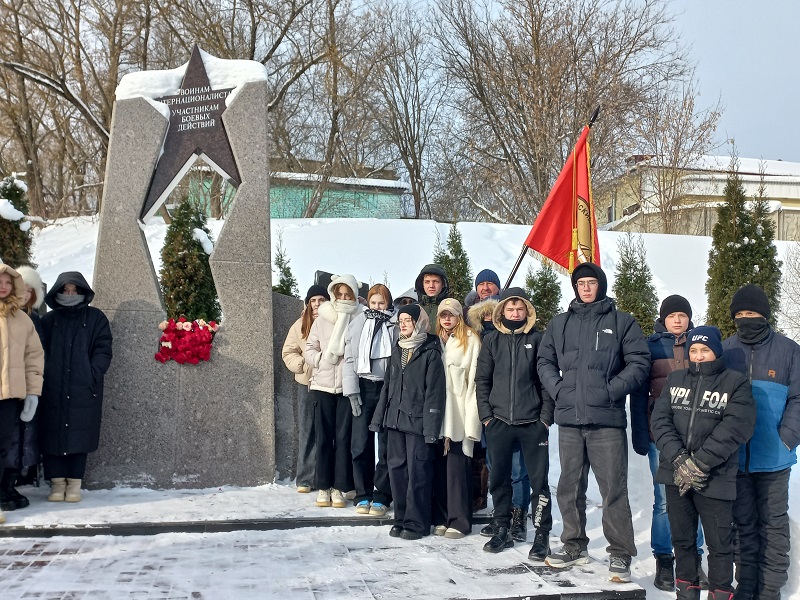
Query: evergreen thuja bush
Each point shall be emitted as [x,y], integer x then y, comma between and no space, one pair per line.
[15,235]
[544,291]
[633,286]
[187,285]
[455,262]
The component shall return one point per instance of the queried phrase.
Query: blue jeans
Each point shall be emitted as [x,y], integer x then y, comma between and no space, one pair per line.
[660,535]
[520,483]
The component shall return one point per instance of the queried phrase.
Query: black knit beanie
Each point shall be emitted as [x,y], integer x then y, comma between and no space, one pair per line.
[413,310]
[317,290]
[673,304]
[750,297]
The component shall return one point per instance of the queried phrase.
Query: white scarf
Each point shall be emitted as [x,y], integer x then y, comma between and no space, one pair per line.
[372,345]
[344,310]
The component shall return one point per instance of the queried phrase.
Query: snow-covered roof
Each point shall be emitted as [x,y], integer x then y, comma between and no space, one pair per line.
[721,164]
[349,181]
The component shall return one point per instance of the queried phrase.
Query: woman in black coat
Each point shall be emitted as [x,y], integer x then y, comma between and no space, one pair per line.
[77,355]
[411,408]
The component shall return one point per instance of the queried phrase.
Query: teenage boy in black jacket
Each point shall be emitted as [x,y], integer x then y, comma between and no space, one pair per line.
[702,416]
[591,358]
[512,405]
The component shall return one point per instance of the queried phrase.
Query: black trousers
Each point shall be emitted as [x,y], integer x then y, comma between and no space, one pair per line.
[371,480]
[452,488]
[332,423]
[761,519]
[717,517]
[72,466]
[501,439]
[410,462]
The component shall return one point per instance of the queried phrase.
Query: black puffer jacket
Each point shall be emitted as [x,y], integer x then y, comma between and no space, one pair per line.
[77,355]
[708,411]
[412,399]
[506,381]
[590,359]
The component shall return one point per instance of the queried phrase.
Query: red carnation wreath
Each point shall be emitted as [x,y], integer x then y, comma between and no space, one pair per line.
[186,341]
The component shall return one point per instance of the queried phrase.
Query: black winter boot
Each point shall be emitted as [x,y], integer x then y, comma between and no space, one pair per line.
[10,498]
[702,578]
[541,546]
[665,572]
[501,540]
[687,590]
[747,582]
[519,525]
[489,530]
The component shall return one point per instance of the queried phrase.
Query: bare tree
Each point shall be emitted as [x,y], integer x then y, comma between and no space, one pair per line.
[675,134]
[531,72]
[414,91]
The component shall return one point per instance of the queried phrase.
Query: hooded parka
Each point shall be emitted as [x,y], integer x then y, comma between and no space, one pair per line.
[708,411]
[430,304]
[591,358]
[78,354]
[508,386]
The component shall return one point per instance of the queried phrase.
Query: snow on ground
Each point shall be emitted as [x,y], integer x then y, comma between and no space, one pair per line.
[376,251]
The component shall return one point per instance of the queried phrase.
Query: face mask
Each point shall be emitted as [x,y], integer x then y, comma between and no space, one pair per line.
[513,325]
[752,330]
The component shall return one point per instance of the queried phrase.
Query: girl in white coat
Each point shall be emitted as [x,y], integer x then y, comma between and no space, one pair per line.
[332,416]
[461,427]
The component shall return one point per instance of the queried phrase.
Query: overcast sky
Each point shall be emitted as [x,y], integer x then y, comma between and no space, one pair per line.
[748,53]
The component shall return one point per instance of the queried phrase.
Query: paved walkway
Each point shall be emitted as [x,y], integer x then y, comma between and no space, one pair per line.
[312,563]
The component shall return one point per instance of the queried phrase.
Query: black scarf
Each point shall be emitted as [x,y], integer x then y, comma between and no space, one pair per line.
[513,325]
[381,316]
[752,330]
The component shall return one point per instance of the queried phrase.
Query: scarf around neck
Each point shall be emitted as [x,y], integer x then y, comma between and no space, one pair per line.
[70,299]
[376,339]
[344,311]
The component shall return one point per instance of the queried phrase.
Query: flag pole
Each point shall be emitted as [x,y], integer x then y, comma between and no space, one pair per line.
[592,119]
[516,267]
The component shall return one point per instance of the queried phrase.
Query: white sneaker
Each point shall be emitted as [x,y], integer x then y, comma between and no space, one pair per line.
[337,499]
[324,498]
[351,495]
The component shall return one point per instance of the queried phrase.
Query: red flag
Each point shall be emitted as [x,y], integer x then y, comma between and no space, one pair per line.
[566,229]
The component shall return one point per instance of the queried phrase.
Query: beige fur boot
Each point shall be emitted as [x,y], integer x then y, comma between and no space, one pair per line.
[2,517]
[73,493]
[58,485]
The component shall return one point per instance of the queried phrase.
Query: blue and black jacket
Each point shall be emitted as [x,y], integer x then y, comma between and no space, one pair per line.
[773,367]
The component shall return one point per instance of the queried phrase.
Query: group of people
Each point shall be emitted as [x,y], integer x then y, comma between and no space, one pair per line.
[440,383]
[51,382]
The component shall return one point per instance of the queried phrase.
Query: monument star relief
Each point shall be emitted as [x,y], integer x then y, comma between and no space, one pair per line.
[195,131]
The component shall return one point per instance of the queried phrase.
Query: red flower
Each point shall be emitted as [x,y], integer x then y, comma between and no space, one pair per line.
[185,341]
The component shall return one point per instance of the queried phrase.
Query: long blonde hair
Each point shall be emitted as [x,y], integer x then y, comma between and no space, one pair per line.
[9,305]
[460,331]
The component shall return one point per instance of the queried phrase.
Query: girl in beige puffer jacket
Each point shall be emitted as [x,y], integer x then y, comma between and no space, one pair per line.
[21,367]
[292,353]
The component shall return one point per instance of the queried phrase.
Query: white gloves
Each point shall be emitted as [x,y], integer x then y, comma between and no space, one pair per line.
[29,407]
[355,404]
